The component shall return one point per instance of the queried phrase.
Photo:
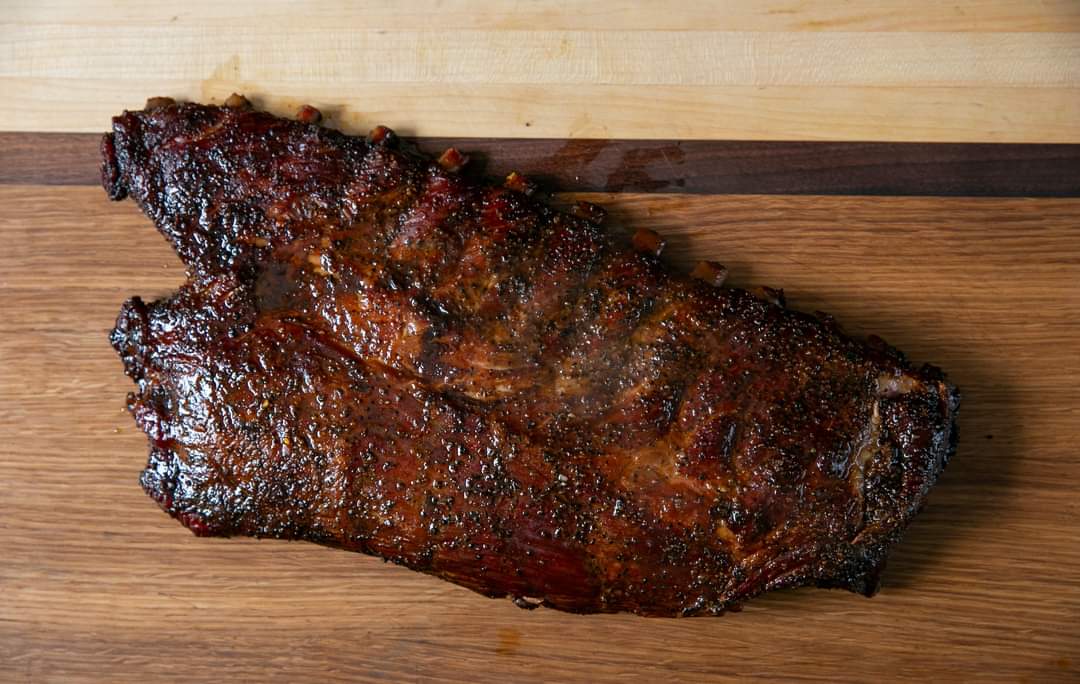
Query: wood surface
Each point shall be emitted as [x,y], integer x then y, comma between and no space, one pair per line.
[98,584]
[1045,16]
[662,111]
[674,166]
[918,70]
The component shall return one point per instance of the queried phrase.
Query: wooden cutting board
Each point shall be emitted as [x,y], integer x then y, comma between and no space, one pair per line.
[967,256]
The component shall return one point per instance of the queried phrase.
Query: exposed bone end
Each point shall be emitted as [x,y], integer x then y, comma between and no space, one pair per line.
[309,115]
[772,295]
[237,101]
[515,181]
[892,386]
[159,103]
[452,160]
[383,137]
[648,242]
[592,213]
[527,602]
[710,272]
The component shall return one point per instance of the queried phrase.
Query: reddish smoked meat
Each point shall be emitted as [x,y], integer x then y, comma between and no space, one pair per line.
[376,353]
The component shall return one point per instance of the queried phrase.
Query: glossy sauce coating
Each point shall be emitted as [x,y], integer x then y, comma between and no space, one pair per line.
[374,352]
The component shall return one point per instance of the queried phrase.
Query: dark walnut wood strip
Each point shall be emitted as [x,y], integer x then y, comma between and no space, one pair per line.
[691,166]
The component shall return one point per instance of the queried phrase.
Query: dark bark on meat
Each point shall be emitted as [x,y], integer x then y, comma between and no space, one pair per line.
[375,353]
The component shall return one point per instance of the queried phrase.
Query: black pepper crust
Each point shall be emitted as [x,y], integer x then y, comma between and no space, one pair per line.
[376,353]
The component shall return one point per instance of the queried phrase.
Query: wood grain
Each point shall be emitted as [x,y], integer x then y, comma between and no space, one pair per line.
[913,114]
[349,56]
[675,166]
[990,72]
[97,584]
[686,15]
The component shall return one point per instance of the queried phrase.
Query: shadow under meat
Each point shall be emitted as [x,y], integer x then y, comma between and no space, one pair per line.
[974,488]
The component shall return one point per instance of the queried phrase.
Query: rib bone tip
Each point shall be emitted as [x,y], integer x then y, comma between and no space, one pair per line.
[648,241]
[452,160]
[237,101]
[710,272]
[519,183]
[159,102]
[309,115]
[383,136]
[772,295]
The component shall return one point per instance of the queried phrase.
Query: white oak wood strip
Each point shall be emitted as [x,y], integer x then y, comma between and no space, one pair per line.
[96,583]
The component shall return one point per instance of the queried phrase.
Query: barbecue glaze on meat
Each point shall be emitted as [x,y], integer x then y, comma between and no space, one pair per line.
[376,353]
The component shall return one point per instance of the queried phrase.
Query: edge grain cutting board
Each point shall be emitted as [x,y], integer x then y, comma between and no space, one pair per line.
[97,583]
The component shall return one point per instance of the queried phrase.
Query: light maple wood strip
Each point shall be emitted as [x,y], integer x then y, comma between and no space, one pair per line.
[97,584]
[345,56]
[920,114]
[687,15]
[895,70]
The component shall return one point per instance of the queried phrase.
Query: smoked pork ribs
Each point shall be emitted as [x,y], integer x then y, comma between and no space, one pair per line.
[375,352]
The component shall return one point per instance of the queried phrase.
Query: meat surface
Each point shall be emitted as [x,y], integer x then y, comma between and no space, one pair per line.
[377,353]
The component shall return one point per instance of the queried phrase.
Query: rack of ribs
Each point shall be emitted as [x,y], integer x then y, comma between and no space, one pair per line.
[377,352]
